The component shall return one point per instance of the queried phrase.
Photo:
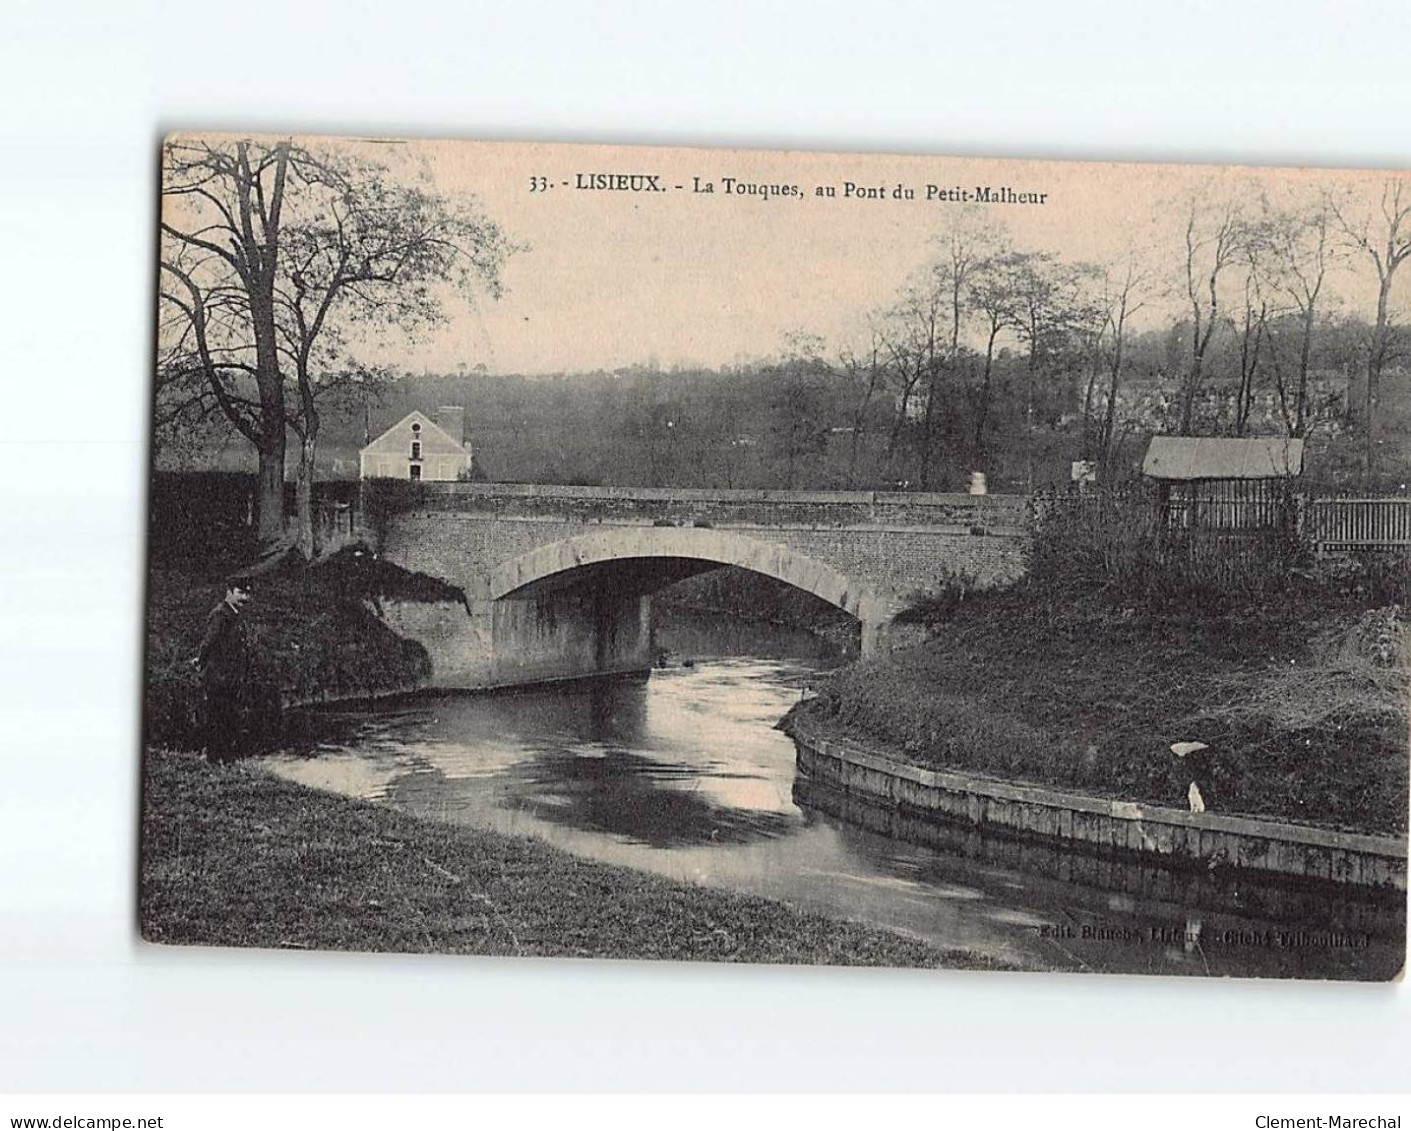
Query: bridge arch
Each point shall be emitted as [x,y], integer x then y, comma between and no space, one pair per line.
[520,576]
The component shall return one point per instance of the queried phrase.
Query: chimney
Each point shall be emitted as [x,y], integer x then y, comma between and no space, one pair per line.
[452,419]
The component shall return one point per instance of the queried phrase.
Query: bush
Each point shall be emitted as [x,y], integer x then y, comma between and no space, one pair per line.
[313,632]
[939,603]
[1131,540]
[1368,580]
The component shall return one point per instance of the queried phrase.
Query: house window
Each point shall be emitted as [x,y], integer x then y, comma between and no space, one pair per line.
[416,471]
[416,449]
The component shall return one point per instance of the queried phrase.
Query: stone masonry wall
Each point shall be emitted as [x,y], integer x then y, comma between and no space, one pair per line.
[687,507]
[902,543]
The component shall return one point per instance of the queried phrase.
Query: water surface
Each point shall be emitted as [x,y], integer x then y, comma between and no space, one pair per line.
[682,774]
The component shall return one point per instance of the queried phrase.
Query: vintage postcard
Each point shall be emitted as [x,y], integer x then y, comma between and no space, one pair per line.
[624,552]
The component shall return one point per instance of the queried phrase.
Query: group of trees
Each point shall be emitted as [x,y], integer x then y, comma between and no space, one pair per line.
[1240,293]
[281,261]
[935,348]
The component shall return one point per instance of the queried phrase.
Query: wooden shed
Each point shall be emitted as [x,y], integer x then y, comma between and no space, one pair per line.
[1223,483]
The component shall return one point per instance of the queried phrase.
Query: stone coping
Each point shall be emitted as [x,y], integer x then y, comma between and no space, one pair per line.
[1394,848]
[952,529]
[724,495]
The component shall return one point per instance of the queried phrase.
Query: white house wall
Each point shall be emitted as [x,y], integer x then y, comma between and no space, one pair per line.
[436,469]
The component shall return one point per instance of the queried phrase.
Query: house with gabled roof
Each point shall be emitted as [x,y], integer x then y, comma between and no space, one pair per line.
[420,447]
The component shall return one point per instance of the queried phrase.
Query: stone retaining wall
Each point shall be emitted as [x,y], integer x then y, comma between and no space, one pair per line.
[1176,837]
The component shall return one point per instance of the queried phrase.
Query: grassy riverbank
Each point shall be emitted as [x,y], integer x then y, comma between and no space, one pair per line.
[233,856]
[312,632]
[1302,697]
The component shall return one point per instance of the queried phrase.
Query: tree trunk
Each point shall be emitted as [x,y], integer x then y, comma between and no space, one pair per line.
[1031,391]
[1188,400]
[1376,358]
[926,430]
[1199,342]
[859,420]
[262,260]
[269,501]
[1249,368]
[982,416]
[307,532]
[1304,352]
[270,382]
[1109,421]
[1090,438]
[903,409]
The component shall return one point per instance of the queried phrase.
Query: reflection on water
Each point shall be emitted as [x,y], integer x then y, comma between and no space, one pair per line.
[682,774]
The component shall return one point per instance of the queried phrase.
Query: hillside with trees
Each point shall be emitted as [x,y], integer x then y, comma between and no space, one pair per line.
[1246,309]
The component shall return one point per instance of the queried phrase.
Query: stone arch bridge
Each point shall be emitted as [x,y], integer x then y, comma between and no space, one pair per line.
[559,579]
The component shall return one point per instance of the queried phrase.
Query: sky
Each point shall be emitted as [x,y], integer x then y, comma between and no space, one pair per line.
[606,279]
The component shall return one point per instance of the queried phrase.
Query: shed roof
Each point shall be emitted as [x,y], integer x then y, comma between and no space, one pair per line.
[1219,457]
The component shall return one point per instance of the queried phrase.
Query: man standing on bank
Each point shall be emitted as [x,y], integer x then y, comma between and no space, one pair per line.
[223,662]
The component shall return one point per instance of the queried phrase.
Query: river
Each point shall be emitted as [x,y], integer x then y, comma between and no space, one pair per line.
[683,774]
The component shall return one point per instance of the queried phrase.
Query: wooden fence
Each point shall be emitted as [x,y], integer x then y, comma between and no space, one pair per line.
[1231,536]
[1228,505]
[1340,525]
[1326,524]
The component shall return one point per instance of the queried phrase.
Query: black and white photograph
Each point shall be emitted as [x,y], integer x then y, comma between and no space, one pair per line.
[630,552]
[705,565]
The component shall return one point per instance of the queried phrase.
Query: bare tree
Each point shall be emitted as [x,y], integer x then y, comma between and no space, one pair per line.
[1295,252]
[991,296]
[1093,335]
[1214,237]
[222,220]
[1121,288]
[866,373]
[798,429]
[360,261]
[910,335]
[1049,307]
[278,261]
[1385,241]
[1252,330]
[926,325]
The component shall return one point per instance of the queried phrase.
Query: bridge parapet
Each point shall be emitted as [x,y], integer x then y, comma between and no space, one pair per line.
[815,510]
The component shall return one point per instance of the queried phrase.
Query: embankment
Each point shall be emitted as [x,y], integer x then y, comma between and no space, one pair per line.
[232,856]
[1150,833]
[1302,701]
[314,633]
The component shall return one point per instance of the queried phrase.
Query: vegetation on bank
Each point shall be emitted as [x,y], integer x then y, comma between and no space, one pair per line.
[233,856]
[313,632]
[1082,675]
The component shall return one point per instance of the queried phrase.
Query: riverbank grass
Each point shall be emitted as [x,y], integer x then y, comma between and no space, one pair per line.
[1302,700]
[313,632]
[232,856]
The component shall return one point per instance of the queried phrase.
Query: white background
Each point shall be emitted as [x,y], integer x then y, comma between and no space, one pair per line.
[88,87]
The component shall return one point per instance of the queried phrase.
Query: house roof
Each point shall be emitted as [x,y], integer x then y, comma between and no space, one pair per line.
[435,440]
[1219,457]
